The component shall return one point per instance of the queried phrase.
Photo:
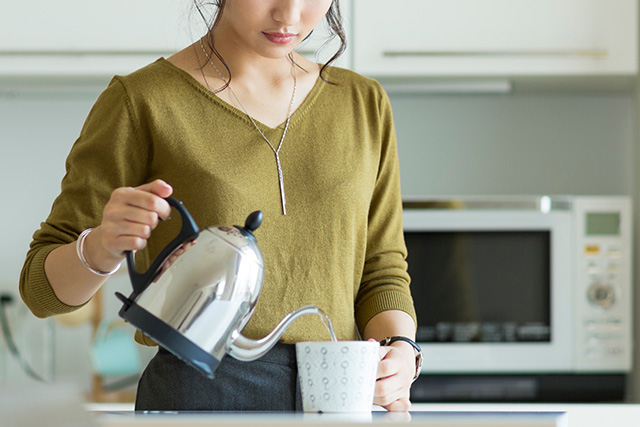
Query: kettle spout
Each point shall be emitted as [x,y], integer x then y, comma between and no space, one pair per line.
[246,349]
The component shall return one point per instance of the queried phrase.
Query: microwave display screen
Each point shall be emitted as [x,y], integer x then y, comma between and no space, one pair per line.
[481,286]
[603,224]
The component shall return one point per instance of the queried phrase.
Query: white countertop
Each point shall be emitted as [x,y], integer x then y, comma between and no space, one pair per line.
[63,405]
[577,415]
[427,419]
[431,415]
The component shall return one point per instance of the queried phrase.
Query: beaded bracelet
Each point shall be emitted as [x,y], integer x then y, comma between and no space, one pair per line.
[83,260]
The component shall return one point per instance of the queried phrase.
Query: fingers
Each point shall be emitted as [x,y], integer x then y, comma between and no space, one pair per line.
[395,376]
[390,388]
[157,187]
[152,197]
[386,367]
[392,395]
[130,204]
[131,214]
[400,405]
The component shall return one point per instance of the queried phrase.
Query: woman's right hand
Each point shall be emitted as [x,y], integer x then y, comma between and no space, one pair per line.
[127,221]
[129,217]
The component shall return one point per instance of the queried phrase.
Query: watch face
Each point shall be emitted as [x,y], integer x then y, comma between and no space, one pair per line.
[418,364]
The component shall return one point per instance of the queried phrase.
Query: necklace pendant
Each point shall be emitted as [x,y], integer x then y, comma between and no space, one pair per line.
[281,182]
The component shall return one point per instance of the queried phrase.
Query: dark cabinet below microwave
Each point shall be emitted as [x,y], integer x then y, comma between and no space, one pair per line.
[519,388]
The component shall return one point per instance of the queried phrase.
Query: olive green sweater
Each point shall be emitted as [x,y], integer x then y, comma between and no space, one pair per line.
[340,246]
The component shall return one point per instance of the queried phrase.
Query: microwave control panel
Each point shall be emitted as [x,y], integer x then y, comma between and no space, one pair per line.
[604,283]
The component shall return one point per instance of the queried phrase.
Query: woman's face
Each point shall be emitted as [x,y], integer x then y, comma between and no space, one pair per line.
[271,28]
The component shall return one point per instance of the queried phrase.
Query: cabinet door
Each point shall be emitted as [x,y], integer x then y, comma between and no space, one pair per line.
[91,26]
[495,37]
[90,38]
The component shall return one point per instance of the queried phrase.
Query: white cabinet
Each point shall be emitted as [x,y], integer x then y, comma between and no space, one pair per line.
[404,38]
[91,37]
[91,26]
[495,37]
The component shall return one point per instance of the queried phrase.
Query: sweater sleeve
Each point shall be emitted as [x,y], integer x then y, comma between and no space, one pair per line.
[385,280]
[110,152]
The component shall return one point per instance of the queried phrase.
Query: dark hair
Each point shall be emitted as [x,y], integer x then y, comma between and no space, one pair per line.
[333,18]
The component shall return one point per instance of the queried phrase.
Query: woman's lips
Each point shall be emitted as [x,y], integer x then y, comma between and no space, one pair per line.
[279,38]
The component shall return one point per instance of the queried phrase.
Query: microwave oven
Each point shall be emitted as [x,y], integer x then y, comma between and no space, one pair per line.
[517,290]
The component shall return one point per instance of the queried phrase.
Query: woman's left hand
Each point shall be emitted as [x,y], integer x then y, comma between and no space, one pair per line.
[396,370]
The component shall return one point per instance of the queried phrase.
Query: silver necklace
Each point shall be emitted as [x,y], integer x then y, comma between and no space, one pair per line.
[276,151]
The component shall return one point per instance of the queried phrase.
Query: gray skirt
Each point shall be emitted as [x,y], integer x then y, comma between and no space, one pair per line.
[267,384]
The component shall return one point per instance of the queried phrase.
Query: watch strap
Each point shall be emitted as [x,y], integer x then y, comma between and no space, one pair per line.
[391,340]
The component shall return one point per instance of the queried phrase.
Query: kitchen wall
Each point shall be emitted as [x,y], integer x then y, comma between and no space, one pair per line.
[526,142]
[38,125]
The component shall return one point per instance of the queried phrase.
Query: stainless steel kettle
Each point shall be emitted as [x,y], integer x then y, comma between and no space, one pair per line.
[200,291]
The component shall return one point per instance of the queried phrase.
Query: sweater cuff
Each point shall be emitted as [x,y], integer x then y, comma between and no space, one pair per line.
[383,301]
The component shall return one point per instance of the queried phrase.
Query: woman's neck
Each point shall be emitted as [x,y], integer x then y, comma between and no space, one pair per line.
[247,67]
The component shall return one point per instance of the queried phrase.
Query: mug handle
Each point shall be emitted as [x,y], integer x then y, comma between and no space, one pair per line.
[188,233]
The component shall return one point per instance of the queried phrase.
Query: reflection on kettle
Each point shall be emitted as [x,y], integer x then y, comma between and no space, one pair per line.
[195,302]
[173,257]
[113,351]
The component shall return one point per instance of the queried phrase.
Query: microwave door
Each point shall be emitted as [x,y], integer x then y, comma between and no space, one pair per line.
[486,292]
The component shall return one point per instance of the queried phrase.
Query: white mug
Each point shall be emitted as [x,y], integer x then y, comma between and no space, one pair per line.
[337,376]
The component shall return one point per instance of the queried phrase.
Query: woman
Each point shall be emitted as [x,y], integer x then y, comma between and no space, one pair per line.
[234,123]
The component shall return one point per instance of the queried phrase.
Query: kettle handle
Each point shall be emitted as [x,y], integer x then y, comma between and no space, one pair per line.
[188,232]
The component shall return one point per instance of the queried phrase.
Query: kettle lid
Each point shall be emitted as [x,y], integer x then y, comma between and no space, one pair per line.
[252,222]
[242,238]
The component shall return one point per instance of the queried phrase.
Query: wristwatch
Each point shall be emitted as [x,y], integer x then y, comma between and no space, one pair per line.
[416,349]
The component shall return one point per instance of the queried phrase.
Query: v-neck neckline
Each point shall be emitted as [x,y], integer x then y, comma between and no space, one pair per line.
[304,105]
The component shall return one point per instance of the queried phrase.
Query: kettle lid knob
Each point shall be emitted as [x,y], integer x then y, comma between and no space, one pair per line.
[253,221]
